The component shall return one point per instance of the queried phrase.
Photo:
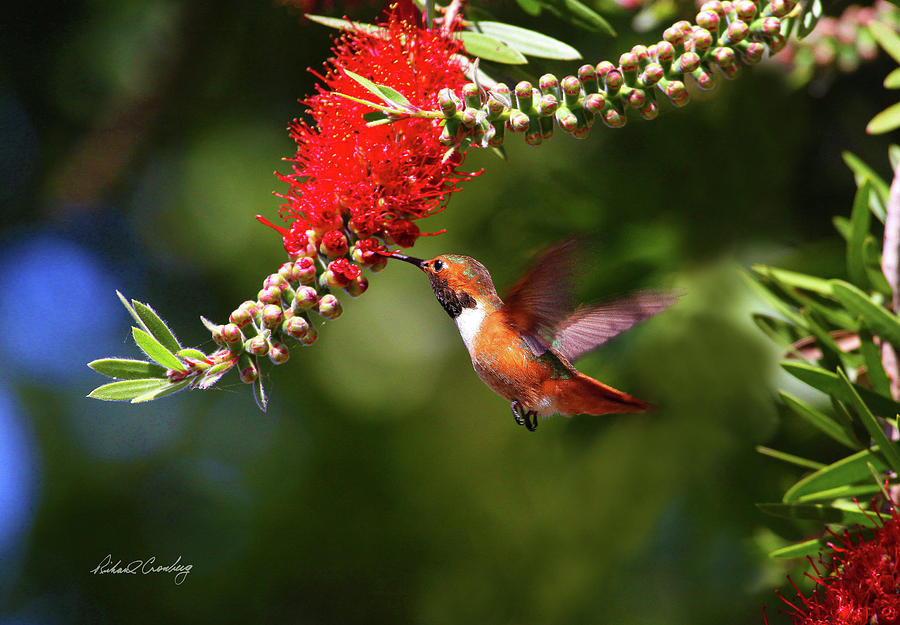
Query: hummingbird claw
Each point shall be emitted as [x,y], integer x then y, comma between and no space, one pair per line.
[527,418]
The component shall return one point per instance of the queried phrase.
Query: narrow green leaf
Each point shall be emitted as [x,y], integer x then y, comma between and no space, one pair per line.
[491,49]
[874,368]
[790,458]
[156,326]
[343,24]
[859,230]
[375,116]
[887,38]
[213,375]
[861,173]
[801,550]
[809,18]
[132,312]
[819,512]
[527,41]
[531,7]
[190,352]
[845,472]
[830,384]
[842,225]
[580,14]
[819,420]
[259,391]
[127,369]
[795,279]
[894,151]
[774,299]
[886,447]
[126,389]
[872,253]
[892,80]
[840,492]
[780,331]
[168,389]
[885,121]
[389,95]
[155,350]
[876,317]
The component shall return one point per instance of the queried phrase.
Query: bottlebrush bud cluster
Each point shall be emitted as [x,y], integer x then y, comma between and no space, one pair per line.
[841,42]
[724,35]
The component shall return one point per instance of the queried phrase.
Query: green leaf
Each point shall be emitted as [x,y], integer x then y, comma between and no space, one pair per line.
[795,279]
[840,474]
[859,230]
[132,312]
[877,318]
[885,121]
[190,352]
[809,18]
[886,447]
[389,95]
[160,392]
[819,512]
[343,24]
[491,49]
[840,492]
[861,173]
[375,116]
[531,7]
[528,41]
[155,350]
[127,369]
[778,330]
[871,354]
[820,420]
[213,375]
[259,391]
[774,299]
[791,458]
[894,154]
[842,225]
[156,326]
[831,384]
[127,389]
[892,80]
[801,550]
[580,14]
[872,252]
[887,38]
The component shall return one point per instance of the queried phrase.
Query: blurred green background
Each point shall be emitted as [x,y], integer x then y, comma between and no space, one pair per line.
[387,484]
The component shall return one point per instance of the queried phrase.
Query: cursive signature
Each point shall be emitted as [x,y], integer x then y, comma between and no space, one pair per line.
[143,567]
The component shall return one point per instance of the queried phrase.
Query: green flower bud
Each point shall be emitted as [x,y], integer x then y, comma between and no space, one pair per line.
[296,327]
[471,95]
[548,105]
[249,370]
[305,298]
[304,271]
[269,295]
[448,102]
[311,336]
[614,81]
[232,334]
[357,286]
[272,315]
[279,353]
[594,103]
[519,121]
[330,307]
[588,77]
[258,345]
[524,95]
[746,10]
[275,280]
[286,271]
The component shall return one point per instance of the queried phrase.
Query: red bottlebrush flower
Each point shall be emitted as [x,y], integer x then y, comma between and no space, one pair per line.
[334,244]
[859,585]
[341,273]
[368,252]
[374,178]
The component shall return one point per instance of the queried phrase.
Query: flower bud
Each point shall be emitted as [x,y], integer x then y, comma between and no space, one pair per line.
[334,244]
[258,345]
[340,273]
[736,32]
[603,68]
[296,327]
[275,280]
[449,102]
[357,286]
[746,10]
[305,298]
[614,81]
[613,118]
[217,337]
[378,265]
[519,121]
[286,271]
[548,105]
[566,120]
[249,370]
[311,336]
[588,77]
[304,271]
[524,95]
[366,252]
[279,353]
[330,307]
[232,334]
[241,316]
[300,241]
[628,62]
[594,103]
[269,295]
[272,315]
[708,20]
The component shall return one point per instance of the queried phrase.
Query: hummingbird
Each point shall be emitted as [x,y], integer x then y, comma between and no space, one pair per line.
[523,346]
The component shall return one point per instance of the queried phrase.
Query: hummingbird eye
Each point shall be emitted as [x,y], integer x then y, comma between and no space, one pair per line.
[437,265]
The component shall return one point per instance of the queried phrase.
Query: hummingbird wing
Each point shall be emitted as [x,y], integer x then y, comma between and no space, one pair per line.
[591,326]
[537,303]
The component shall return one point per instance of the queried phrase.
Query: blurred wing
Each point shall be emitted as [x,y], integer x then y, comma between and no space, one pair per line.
[538,302]
[591,326]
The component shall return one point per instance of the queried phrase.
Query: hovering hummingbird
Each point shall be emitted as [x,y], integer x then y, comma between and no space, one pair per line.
[523,347]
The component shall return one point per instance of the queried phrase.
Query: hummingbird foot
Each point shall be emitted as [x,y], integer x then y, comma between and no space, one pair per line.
[528,418]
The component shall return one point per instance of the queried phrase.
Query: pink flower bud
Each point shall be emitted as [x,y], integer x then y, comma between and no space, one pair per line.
[279,353]
[304,271]
[269,295]
[272,315]
[341,272]
[311,337]
[258,345]
[275,280]
[286,271]
[296,327]
[330,307]
[305,298]
[240,317]
[249,371]
[232,334]
[358,286]
[366,252]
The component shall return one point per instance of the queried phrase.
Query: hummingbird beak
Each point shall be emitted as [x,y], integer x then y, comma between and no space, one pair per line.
[418,262]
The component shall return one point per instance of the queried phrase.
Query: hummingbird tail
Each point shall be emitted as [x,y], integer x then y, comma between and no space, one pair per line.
[589,396]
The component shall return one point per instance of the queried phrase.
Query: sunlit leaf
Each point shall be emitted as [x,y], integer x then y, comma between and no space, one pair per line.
[343,24]
[490,49]
[795,279]
[886,37]
[127,389]
[127,369]
[156,326]
[809,18]
[161,392]
[527,41]
[155,350]
[840,492]
[885,121]
[892,80]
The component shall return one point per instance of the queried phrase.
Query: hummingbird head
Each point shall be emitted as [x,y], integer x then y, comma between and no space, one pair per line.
[458,282]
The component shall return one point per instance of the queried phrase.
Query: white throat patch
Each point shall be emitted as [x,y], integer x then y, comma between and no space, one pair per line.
[469,322]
